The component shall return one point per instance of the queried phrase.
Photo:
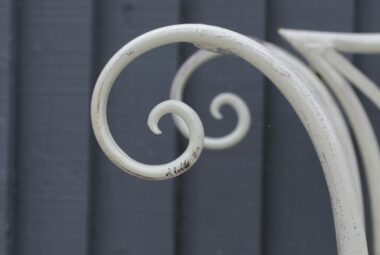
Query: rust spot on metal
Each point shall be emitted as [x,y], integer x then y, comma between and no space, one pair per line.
[186,164]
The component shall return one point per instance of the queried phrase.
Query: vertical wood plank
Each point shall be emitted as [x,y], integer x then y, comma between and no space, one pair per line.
[220,197]
[133,216]
[367,20]
[297,212]
[8,82]
[55,82]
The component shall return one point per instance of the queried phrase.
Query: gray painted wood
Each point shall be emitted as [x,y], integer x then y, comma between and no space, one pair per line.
[133,216]
[8,47]
[367,13]
[220,197]
[297,211]
[54,153]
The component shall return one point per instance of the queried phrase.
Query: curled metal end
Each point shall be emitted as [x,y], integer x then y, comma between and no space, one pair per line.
[351,237]
[239,106]
[103,135]
[145,171]
[242,126]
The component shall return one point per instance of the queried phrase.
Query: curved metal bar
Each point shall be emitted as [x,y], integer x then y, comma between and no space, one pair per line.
[349,226]
[365,136]
[331,106]
[321,55]
[364,43]
[201,57]
[240,107]
[354,75]
[327,43]
[122,160]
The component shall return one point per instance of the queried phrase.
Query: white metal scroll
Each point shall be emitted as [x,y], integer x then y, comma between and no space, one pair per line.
[335,159]
[323,50]
[309,78]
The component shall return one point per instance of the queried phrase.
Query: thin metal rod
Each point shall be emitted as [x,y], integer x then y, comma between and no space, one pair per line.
[240,107]
[320,50]
[320,91]
[351,239]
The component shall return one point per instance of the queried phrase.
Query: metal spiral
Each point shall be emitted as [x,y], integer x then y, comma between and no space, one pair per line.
[351,239]
[239,106]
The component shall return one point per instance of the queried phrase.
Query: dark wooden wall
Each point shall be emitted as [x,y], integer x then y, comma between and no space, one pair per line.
[61,195]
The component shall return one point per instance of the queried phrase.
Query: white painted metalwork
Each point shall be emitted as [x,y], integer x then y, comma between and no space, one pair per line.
[240,107]
[332,152]
[321,49]
[309,78]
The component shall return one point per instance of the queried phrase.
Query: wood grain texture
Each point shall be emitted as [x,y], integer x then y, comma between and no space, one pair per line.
[220,197]
[297,212]
[130,215]
[8,110]
[54,131]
